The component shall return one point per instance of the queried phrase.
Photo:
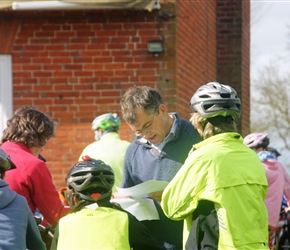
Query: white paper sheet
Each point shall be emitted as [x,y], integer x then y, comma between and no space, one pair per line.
[141,207]
[143,189]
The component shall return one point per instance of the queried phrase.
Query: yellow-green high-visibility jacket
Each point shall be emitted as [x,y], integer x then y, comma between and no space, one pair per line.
[221,169]
[110,149]
[103,228]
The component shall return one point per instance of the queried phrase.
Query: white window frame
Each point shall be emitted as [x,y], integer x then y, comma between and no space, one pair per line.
[6,92]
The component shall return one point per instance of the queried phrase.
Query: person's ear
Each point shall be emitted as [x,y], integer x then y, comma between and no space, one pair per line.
[76,200]
[101,132]
[71,197]
[162,109]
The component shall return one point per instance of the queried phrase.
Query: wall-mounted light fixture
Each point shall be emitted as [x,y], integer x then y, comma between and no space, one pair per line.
[155,47]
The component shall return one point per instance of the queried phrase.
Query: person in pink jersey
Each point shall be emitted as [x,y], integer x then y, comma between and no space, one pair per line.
[277,177]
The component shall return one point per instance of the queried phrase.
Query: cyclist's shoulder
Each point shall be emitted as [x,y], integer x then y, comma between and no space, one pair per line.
[188,132]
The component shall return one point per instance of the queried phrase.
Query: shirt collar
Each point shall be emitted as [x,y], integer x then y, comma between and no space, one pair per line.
[171,133]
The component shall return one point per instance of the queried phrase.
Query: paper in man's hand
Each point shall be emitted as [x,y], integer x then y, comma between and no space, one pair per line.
[143,189]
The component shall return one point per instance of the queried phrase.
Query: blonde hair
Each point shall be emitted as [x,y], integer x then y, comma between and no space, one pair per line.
[207,127]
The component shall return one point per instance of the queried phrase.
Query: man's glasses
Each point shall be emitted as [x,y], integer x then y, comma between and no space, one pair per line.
[148,127]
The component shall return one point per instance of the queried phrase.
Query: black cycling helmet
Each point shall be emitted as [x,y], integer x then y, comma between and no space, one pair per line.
[91,179]
[215,99]
[5,161]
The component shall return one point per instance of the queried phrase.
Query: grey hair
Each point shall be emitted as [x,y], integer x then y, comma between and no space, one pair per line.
[139,98]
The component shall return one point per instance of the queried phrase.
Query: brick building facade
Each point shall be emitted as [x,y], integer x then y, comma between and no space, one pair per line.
[75,65]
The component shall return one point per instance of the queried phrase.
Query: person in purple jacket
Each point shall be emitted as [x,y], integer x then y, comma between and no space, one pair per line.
[18,229]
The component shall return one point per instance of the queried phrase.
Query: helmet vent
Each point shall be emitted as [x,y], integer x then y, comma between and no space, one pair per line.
[208,106]
[204,96]
[225,95]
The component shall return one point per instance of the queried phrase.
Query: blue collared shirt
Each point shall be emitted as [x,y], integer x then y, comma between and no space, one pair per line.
[171,134]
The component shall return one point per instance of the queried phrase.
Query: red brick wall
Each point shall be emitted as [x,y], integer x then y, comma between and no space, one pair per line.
[233,46]
[195,48]
[75,65]
[245,68]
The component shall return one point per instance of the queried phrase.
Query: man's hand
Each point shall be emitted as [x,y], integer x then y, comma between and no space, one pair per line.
[119,196]
[156,195]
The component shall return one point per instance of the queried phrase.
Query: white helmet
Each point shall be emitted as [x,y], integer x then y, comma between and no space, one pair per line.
[215,99]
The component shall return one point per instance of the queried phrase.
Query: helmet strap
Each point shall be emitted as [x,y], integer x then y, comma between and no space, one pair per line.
[97,135]
[100,132]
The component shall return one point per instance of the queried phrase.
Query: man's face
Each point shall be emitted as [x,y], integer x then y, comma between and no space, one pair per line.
[153,127]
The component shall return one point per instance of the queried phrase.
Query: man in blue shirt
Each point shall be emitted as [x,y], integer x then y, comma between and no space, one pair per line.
[163,141]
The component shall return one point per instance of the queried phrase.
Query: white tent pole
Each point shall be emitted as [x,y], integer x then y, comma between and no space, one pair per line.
[41,5]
